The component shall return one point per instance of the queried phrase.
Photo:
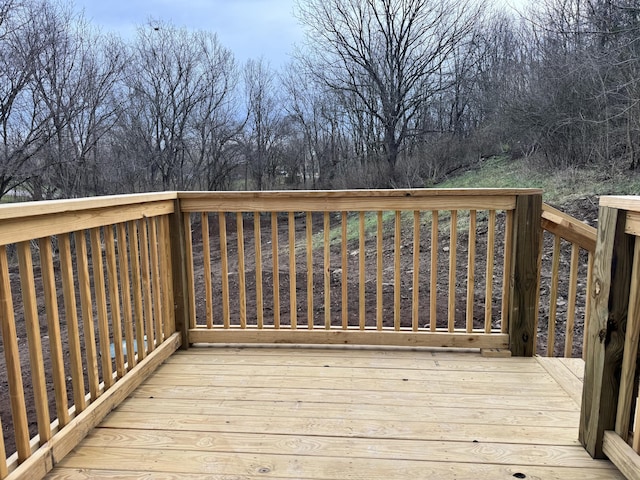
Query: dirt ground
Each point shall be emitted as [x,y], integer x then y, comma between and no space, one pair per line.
[581,209]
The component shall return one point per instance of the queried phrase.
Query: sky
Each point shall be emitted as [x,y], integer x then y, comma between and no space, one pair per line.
[249,28]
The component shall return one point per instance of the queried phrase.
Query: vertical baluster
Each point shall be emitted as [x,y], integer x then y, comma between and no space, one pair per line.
[276,270]
[292,271]
[361,275]
[327,271]
[146,285]
[101,304]
[136,279]
[27,285]
[155,280]
[553,297]
[71,315]
[416,271]
[433,284]
[488,295]
[127,313]
[188,242]
[309,230]
[206,254]
[453,246]
[53,328]
[12,361]
[471,268]
[506,273]
[571,301]
[345,284]
[166,275]
[3,456]
[241,273]
[396,271]
[114,297]
[379,272]
[86,306]
[257,237]
[587,306]
[224,269]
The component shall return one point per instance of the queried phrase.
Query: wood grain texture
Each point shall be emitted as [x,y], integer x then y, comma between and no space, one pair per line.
[622,455]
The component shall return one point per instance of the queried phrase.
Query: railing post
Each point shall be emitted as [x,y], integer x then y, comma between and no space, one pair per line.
[179,268]
[524,274]
[609,306]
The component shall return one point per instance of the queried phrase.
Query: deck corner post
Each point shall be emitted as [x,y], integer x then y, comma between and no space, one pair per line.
[179,268]
[523,296]
[605,342]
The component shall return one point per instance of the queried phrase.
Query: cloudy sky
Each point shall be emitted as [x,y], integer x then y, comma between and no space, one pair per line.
[250,28]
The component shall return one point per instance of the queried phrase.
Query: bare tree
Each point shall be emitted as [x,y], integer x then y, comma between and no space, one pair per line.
[390,54]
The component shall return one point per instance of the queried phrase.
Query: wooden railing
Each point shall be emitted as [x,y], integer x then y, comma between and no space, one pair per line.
[377,267]
[610,422]
[565,272]
[95,293]
[88,283]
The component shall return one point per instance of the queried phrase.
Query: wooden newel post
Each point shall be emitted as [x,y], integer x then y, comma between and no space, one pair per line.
[179,268]
[605,344]
[523,298]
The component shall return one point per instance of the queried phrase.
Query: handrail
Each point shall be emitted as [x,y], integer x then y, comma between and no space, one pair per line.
[610,420]
[572,239]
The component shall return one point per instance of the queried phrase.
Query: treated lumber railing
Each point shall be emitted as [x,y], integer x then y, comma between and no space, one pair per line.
[407,258]
[566,263]
[88,283]
[610,422]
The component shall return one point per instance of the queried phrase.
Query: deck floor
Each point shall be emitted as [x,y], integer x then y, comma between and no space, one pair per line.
[311,413]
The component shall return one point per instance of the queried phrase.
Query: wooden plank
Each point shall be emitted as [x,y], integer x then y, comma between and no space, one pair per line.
[575,365]
[488,294]
[307,445]
[506,277]
[609,308]
[397,281]
[309,237]
[622,455]
[327,270]
[257,236]
[29,301]
[276,269]
[25,228]
[206,260]
[293,294]
[352,201]
[182,287]
[569,228]
[433,284]
[101,307]
[349,337]
[630,354]
[3,455]
[344,265]
[123,261]
[224,269]
[636,428]
[565,378]
[362,254]
[136,280]
[524,274]
[379,270]
[188,254]
[166,277]
[156,292]
[471,269]
[53,329]
[12,361]
[68,438]
[571,308]
[242,287]
[415,301]
[553,297]
[114,299]
[146,286]
[453,249]
[587,306]
[71,316]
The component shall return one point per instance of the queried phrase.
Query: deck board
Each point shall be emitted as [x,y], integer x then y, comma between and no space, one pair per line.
[244,413]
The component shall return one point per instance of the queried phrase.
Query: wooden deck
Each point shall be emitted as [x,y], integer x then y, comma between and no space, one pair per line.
[338,413]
